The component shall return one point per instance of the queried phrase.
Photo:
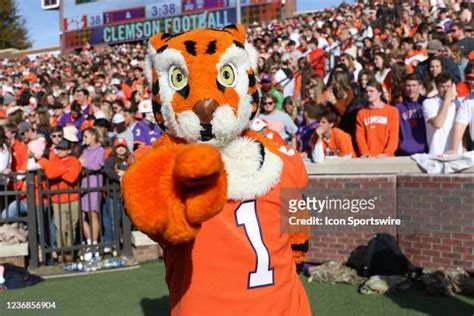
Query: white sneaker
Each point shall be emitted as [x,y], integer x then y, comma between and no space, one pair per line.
[88,256]
[107,249]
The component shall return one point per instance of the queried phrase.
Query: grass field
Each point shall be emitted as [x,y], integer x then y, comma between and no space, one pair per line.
[142,291]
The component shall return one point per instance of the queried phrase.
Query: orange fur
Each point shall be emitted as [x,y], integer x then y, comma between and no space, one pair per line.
[172,208]
[202,68]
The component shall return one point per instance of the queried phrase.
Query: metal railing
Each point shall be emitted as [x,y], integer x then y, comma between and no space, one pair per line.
[56,229]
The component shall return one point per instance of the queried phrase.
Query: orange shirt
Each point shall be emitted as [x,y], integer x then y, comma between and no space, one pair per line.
[64,173]
[377,131]
[340,143]
[240,259]
[20,156]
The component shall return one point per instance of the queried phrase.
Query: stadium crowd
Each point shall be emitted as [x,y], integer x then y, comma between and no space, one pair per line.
[364,80]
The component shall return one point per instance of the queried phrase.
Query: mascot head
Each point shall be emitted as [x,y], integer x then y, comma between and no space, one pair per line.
[203,84]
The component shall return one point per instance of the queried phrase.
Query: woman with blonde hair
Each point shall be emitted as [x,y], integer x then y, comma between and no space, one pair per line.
[92,160]
[340,95]
[454,52]
[291,108]
[316,91]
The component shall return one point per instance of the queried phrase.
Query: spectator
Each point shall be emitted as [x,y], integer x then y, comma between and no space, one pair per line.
[92,160]
[146,131]
[290,108]
[382,66]
[284,76]
[74,117]
[435,67]
[316,58]
[57,110]
[56,137]
[465,43]
[377,126]
[439,113]
[114,169]
[25,132]
[412,137]
[278,121]
[18,149]
[340,95]
[453,51]
[70,133]
[5,164]
[310,123]
[329,140]
[64,175]
[464,117]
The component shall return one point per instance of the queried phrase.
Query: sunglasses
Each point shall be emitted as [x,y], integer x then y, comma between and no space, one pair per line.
[268,103]
[56,136]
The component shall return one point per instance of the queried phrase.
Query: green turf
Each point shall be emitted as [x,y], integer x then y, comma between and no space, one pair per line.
[142,291]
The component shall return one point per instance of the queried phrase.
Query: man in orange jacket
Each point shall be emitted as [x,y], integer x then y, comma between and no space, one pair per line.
[64,171]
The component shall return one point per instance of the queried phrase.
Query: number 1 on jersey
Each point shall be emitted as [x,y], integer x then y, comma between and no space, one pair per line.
[246,216]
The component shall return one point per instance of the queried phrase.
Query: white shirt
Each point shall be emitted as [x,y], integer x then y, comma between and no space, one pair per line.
[465,113]
[439,139]
[287,84]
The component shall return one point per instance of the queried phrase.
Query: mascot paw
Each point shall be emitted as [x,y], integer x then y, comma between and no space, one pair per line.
[198,165]
[200,170]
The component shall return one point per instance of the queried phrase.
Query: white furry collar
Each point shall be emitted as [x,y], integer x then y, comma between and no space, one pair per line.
[248,176]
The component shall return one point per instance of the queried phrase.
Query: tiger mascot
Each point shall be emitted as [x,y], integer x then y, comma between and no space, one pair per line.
[209,190]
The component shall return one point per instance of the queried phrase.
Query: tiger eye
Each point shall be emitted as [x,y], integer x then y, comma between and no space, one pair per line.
[178,78]
[227,75]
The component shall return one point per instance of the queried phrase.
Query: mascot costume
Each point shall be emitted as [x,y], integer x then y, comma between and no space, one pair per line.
[209,190]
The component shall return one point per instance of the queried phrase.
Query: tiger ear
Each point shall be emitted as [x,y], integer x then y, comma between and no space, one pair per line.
[158,40]
[238,31]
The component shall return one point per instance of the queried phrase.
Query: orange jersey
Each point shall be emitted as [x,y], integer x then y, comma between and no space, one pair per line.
[377,131]
[274,136]
[340,143]
[239,259]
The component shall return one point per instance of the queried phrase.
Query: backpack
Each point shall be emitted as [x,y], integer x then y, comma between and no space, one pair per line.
[16,277]
[382,256]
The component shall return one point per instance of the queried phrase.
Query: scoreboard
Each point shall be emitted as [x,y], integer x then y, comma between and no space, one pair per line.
[116,21]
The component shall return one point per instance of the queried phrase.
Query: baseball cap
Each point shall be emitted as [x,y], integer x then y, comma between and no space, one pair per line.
[7,99]
[64,145]
[120,142]
[23,127]
[434,46]
[99,115]
[70,133]
[145,106]
[118,118]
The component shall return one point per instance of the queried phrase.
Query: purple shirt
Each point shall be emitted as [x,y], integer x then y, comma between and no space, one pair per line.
[145,132]
[67,120]
[304,134]
[412,128]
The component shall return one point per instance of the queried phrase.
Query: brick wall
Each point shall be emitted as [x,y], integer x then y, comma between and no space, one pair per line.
[145,253]
[436,212]
[17,260]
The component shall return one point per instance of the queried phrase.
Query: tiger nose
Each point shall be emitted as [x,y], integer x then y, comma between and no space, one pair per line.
[204,109]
